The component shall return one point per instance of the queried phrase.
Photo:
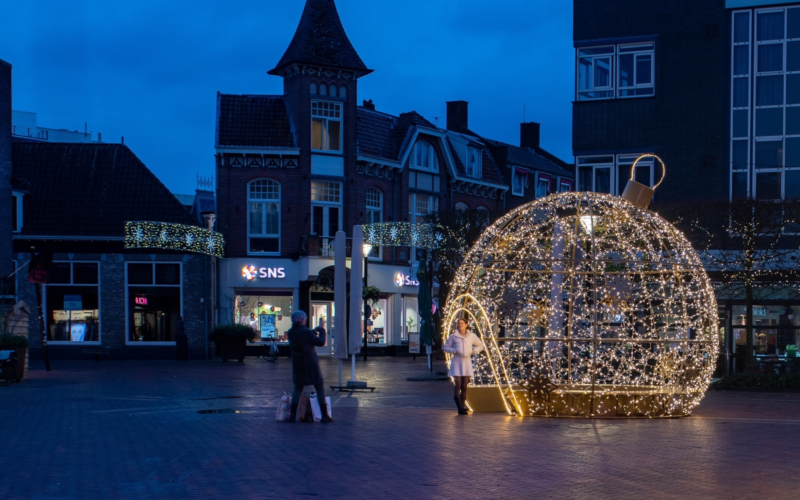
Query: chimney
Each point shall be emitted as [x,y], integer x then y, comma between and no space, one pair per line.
[369,104]
[529,135]
[457,116]
[99,137]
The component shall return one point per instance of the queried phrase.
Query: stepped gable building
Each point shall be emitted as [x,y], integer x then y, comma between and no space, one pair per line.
[102,297]
[293,169]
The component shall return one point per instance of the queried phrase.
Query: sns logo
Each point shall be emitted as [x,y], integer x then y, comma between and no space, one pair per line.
[401,279]
[249,272]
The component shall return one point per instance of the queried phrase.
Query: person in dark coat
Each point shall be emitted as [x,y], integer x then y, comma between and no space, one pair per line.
[305,364]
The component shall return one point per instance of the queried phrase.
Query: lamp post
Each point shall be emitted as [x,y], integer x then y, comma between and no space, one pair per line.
[367,249]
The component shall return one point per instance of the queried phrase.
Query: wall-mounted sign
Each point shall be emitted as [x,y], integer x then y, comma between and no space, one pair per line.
[251,273]
[73,303]
[401,279]
[140,301]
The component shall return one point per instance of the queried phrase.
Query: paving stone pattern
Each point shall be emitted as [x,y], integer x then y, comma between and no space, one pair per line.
[131,429]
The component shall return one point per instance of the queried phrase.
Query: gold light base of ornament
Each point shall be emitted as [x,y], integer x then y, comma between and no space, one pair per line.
[575,400]
[638,194]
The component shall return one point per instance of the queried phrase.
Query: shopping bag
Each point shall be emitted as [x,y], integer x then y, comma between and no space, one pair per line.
[317,411]
[304,409]
[284,408]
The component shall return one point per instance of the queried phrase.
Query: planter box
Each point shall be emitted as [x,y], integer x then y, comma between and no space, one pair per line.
[22,359]
[233,349]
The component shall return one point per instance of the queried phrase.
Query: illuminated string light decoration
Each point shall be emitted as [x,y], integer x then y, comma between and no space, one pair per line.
[400,234]
[167,236]
[589,306]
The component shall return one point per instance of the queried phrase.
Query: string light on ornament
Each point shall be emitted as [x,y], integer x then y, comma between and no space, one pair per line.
[178,237]
[589,305]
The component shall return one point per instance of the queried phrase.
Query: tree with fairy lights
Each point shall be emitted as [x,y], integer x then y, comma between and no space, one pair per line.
[749,247]
[456,232]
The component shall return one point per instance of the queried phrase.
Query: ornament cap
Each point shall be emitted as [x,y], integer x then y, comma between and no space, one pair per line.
[637,193]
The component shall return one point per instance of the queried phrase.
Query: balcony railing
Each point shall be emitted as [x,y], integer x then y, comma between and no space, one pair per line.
[29,132]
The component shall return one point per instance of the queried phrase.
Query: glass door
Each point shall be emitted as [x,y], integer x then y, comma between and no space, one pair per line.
[322,315]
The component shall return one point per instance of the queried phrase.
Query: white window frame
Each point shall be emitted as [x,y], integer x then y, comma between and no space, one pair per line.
[474,169]
[326,112]
[326,206]
[636,50]
[614,52]
[565,182]
[519,182]
[72,283]
[374,214]
[617,173]
[432,157]
[540,179]
[18,197]
[596,165]
[264,202]
[128,341]
[415,217]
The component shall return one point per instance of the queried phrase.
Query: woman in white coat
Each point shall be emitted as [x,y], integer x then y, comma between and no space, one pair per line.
[462,344]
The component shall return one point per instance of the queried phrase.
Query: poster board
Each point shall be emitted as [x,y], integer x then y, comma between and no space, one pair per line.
[268,326]
[413,343]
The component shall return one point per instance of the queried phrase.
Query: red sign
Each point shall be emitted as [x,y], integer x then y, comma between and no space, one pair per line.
[140,301]
[39,268]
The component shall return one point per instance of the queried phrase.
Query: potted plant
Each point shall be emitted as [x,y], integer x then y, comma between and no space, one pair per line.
[232,340]
[19,344]
[791,351]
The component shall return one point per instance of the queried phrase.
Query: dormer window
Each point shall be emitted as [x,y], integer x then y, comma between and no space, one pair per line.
[519,181]
[16,211]
[326,126]
[425,157]
[474,162]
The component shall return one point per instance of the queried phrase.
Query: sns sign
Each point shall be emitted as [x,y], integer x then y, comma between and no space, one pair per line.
[401,279]
[251,273]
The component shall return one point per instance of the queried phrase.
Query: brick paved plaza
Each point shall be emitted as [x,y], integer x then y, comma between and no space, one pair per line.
[131,429]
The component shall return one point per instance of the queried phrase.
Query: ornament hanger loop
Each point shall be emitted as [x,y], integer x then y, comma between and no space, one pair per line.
[663,167]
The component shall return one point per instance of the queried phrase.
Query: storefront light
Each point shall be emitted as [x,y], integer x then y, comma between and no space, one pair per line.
[367,249]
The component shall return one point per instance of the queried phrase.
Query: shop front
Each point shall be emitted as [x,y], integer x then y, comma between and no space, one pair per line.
[396,314]
[260,293]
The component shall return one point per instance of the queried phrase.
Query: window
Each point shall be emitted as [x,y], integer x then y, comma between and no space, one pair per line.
[154,297]
[269,315]
[564,186]
[420,205]
[765,128]
[610,174]
[425,157]
[595,173]
[72,302]
[313,88]
[461,206]
[542,185]
[376,323]
[326,212]
[519,181]
[374,214]
[16,211]
[410,316]
[635,71]
[264,217]
[326,125]
[474,162]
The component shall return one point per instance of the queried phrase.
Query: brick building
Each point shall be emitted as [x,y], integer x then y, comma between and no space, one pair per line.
[7,205]
[713,88]
[293,169]
[76,201]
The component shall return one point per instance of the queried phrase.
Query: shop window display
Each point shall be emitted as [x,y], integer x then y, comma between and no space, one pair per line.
[410,316]
[72,303]
[774,328]
[377,332]
[268,315]
[154,301]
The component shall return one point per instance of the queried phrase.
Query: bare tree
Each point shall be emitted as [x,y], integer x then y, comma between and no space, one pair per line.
[748,246]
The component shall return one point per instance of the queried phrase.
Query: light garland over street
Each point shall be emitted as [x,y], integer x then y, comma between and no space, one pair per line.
[179,237]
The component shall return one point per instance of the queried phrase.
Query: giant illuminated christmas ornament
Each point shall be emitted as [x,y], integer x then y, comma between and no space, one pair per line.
[589,305]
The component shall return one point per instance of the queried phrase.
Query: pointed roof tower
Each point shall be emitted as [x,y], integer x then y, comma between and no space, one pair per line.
[320,40]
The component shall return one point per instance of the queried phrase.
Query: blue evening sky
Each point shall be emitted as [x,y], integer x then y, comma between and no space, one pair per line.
[149,70]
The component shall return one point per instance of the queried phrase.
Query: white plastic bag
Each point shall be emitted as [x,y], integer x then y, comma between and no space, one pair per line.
[317,411]
[284,408]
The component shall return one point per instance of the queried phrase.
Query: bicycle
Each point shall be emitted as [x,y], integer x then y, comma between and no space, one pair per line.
[269,351]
